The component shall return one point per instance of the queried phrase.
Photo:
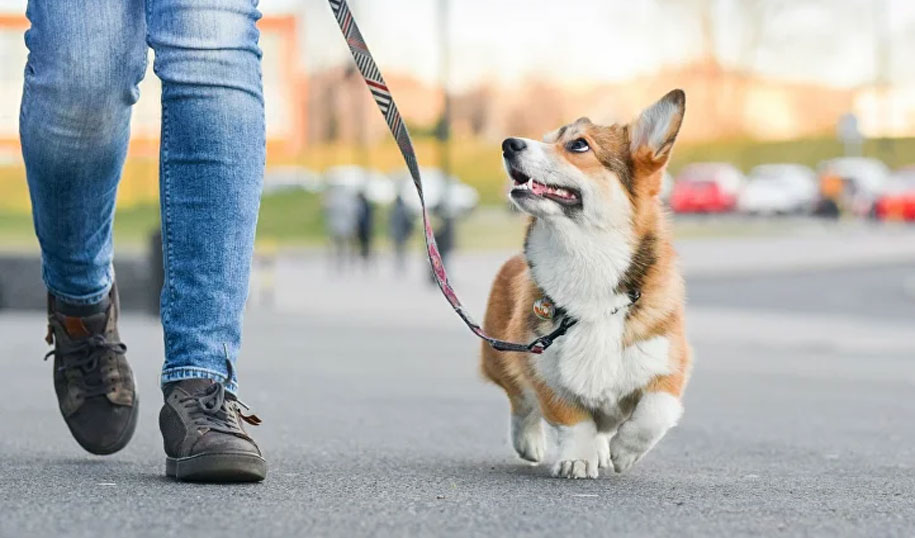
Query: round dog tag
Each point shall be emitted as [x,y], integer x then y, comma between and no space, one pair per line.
[544,309]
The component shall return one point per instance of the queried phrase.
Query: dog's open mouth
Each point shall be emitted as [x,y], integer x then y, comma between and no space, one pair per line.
[525,186]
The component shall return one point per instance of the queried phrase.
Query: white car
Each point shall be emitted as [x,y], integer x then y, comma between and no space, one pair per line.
[378,187]
[778,189]
[279,179]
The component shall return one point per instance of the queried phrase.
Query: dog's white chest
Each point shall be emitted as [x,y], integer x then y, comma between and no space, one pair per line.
[590,365]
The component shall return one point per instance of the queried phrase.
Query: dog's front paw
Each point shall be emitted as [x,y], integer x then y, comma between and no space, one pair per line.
[528,438]
[655,413]
[578,452]
[575,469]
[530,446]
[624,455]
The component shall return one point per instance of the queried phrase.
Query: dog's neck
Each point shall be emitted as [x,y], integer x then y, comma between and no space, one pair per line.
[587,273]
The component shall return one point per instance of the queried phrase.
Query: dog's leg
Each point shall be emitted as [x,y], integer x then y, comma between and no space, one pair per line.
[655,413]
[526,420]
[576,435]
[603,450]
[608,421]
[578,450]
[527,427]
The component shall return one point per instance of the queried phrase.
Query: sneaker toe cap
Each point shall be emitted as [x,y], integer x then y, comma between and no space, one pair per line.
[215,442]
[102,427]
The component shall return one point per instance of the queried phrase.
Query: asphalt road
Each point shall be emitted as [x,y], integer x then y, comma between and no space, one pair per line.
[885,291]
[799,422]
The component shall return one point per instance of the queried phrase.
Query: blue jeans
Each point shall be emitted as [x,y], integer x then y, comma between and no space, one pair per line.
[85,61]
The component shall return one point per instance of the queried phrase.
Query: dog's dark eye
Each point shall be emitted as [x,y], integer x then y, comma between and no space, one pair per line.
[579,145]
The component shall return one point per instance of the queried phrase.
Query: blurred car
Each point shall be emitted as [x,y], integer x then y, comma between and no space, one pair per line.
[441,192]
[854,182]
[706,188]
[378,187]
[898,199]
[290,178]
[778,189]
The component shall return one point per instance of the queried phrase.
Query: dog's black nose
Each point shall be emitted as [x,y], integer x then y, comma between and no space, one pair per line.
[511,146]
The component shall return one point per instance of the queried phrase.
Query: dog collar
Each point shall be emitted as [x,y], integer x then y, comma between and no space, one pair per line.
[546,309]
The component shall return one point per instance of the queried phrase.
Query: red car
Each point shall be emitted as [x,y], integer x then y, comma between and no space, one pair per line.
[898,199]
[706,188]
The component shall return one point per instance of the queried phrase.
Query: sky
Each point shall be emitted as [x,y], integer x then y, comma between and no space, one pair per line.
[833,42]
[828,41]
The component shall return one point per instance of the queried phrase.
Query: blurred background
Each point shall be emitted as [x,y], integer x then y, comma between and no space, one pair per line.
[801,120]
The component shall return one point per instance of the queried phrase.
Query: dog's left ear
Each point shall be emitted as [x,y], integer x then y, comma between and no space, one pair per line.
[652,134]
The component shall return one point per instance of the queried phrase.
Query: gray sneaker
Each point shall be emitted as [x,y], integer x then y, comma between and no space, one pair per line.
[94,384]
[204,439]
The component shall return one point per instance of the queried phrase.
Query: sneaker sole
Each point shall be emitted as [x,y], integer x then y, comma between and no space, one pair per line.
[226,467]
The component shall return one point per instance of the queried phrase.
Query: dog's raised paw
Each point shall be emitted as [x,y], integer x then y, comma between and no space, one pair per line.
[528,439]
[623,457]
[575,469]
[530,448]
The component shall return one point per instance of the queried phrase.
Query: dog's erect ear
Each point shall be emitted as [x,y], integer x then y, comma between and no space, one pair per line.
[652,135]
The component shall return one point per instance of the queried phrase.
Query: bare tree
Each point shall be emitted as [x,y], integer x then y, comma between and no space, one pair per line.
[726,89]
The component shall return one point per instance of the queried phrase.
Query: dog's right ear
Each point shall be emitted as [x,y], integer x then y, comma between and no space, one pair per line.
[652,134]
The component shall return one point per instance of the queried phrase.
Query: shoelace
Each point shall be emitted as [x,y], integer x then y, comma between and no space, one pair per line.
[85,356]
[214,410]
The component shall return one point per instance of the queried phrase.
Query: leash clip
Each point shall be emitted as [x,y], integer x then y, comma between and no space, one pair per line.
[539,345]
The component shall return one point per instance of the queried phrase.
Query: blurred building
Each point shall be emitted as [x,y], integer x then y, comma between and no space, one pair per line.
[887,111]
[330,103]
[12,64]
[340,108]
[722,103]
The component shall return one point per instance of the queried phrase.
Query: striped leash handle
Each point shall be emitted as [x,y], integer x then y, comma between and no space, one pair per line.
[382,95]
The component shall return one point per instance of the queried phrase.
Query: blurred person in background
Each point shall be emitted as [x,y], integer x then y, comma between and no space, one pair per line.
[831,190]
[365,224]
[85,62]
[444,235]
[400,228]
[340,215]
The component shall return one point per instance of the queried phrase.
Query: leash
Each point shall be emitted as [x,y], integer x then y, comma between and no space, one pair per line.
[382,95]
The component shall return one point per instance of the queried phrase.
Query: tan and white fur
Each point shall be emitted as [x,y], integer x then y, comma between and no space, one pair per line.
[611,387]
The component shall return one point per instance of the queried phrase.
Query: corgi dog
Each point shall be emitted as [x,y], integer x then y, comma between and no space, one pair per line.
[597,251]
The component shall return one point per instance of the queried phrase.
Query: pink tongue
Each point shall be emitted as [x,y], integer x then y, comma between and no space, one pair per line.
[538,188]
